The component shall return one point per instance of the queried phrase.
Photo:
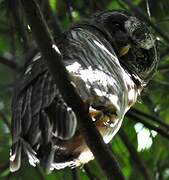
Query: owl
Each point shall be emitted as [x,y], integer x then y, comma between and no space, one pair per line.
[110,57]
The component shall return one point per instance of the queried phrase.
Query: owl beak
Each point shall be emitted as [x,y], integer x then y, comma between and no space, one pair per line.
[124,50]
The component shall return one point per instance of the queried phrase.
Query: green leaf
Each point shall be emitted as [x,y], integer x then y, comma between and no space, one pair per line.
[53,4]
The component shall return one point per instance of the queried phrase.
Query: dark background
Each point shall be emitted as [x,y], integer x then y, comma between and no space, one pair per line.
[141,147]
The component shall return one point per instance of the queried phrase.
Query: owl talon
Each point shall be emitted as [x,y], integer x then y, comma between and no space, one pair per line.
[96,115]
[103,117]
[99,117]
[103,121]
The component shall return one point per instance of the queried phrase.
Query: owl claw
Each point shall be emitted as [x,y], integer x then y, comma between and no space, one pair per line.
[99,118]
[96,115]
[103,117]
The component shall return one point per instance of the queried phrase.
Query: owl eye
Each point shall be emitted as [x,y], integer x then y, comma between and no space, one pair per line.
[116,24]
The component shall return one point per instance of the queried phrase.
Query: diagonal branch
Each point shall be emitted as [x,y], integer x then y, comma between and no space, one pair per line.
[164,67]
[54,24]
[4,166]
[151,126]
[39,173]
[53,59]
[69,10]
[5,120]
[14,10]
[10,63]
[75,175]
[135,156]
[89,173]
[155,119]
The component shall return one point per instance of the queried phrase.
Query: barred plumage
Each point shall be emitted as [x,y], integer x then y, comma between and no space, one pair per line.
[44,127]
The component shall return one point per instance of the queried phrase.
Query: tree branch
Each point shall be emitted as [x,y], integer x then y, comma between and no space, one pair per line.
[4,166]
[54,24]
[161,131]
[89,173]
[7,87]
[39,173]
[139,12]
[14,9]
[164,53]
[53,59]
[75,174]
[134,155]
[10,63]
[5,120]
[69,10]
[150,117]
[164,67]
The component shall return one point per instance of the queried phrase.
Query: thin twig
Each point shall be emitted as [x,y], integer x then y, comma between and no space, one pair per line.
[148,9]
[54,24]
[139,12]
[140,164]
[14,9]
[164,67]
[4,166]
[12,41]
[7,87]
[53,59]
[151,126]
[12,32]
[164,53]
[122,5]
[40,174]
[10,63]
[5,120]
[151,117]
[69,10]
[75,174]
[89,173]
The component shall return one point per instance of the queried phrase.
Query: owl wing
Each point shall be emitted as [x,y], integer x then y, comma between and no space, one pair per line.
[38,113]
[108,86]
[40,116]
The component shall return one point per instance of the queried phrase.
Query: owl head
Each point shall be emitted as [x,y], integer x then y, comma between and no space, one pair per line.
[133,41]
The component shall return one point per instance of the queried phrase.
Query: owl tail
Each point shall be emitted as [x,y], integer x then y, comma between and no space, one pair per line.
[15,155]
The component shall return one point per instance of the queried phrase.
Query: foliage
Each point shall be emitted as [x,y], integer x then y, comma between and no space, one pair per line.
[150,113]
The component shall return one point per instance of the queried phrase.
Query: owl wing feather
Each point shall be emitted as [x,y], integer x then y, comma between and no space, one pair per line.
[41,118]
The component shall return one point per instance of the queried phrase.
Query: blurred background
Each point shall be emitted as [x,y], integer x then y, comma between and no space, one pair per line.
[142,145]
